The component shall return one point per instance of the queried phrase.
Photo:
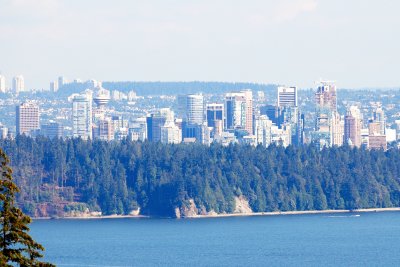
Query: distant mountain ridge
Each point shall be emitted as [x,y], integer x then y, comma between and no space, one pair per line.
[171,88]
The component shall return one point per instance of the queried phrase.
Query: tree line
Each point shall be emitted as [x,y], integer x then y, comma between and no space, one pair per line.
[118,177]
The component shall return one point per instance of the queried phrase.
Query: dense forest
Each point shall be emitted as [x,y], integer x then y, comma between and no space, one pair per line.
[57,176]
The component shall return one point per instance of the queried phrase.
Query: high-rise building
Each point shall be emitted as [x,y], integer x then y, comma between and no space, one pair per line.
[170,133]
[82,116]
[3,88]
[104,130]
[379,117]
[214,114]
[239,111]
[328,125]
[137,130]
[27,118]
[52,130]
[62,81]
[325,97]
[18,84]
[263,130]
[195,109]
[377,142]
[352,126]
[287,96]
[54,86]
[191,108]
[3,131]
[156,121]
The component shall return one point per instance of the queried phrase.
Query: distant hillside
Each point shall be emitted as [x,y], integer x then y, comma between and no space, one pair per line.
[171,88]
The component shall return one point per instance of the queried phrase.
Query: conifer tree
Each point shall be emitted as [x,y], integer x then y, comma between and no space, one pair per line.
[16,245]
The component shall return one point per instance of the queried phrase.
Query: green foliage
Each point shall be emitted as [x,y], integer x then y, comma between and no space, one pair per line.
[118,177]
[16,245]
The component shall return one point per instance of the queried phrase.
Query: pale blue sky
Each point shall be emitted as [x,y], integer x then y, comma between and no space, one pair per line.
[293,42]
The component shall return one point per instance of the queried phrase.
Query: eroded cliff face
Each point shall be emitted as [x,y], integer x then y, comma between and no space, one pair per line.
[187,210]
[242,205]
[190,210]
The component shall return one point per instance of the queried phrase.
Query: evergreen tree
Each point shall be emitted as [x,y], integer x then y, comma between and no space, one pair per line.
[16,245]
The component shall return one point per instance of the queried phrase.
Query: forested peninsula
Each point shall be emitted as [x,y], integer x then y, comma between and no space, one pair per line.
[62,178]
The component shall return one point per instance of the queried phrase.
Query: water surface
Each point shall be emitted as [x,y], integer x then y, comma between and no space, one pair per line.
[371,239]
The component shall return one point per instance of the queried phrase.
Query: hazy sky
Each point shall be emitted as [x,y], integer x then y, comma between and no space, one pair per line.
[293,42]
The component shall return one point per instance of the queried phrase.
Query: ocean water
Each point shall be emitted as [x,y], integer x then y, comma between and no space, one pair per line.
[371,239]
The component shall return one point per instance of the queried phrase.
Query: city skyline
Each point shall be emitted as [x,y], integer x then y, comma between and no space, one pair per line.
[279,42]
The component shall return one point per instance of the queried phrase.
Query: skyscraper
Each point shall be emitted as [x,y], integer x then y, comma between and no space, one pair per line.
[53,86]
[156,121]
[52,130]
[379,117]
[82,116]
[3,84]
[328,125]
[287,96]
[352,126]
[239,110]
[170,133]
[104,130]
[214,114]
[27,118]
[325,97]
[18,84]
[195,109]
[62,81]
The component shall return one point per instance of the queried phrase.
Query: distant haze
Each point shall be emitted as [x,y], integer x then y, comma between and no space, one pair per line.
[293,42]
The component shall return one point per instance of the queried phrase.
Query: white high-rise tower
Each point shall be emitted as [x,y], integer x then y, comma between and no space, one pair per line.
[3,84]
[82,116]
[18,84]
[195,109]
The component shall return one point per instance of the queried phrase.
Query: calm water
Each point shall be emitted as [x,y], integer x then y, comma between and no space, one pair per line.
[303,240]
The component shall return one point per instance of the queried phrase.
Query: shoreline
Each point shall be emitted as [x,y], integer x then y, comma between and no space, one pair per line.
[222,215]
[302,212]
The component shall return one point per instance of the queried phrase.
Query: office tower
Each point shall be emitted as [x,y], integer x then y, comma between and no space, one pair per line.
[156,121]
[352,126]
[215,117]
[199,133]
[271,111]
[104,130]
[138,130]
[261,96]
[377,142]
[3,131]
[328,124]
[287,96]
[53,86]
[325,97]
[27,118]
[379,117]
[239,111]
[249,110]
[82,116]
[62,81]
[18,84]
[170,133]
[52,130]
[195,109]
[263,127]
[191,108]
[397,122]
[3,84]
